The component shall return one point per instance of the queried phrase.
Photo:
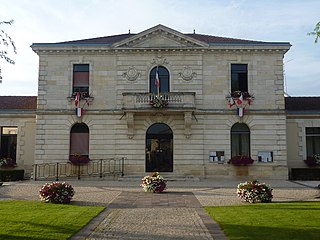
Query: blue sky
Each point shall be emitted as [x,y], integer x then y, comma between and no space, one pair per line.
[46,21]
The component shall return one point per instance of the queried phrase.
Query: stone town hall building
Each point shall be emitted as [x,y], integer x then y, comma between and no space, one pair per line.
[181,104]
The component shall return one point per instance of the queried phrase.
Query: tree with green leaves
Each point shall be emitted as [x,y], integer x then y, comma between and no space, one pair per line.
[6,44]
[316,32]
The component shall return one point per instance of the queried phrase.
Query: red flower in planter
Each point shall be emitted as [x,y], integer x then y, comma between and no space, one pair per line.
[158,102]
[7,163]
[77,159]
[313,161]
[241,160]
[245,95]
[153,183]
[254,191]
[56,192]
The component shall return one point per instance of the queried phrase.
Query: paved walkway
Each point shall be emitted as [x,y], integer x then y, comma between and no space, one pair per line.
[164,216]
[175,214]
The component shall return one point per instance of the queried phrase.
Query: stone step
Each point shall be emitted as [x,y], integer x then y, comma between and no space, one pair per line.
[166,176]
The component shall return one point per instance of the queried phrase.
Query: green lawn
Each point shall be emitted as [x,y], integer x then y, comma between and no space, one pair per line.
[37,220]
[294,220]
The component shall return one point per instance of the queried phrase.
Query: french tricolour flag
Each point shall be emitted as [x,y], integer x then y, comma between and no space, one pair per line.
[240,111]
[79,112]
[157,81]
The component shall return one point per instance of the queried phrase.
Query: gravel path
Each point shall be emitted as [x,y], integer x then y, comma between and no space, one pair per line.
[208,192]
[175,214]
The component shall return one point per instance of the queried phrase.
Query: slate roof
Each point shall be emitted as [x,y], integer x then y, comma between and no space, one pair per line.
[302,103]
[101,40]
[30,103]
[215,39]
[109,40]
[18,102]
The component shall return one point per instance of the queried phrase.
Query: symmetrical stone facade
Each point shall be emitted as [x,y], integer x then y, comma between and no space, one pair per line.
[198,114]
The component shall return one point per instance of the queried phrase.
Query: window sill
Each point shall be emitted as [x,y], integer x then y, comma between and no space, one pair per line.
[90,99]
[237,95]
[218,162]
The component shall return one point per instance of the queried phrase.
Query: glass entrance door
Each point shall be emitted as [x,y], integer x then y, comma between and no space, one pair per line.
[159,148]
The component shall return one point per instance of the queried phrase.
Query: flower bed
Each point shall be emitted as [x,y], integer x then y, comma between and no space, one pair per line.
[313,161]
[153,183]
[56,192]
[83,95]
[158,102]
[254,192]
[241,160]
[7,163]
[77,159]
[238,94]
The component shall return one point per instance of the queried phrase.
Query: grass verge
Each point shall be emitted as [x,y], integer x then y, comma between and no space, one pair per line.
[22,219]
[289,220]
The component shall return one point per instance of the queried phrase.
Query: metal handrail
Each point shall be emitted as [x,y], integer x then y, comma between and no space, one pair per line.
[97,167]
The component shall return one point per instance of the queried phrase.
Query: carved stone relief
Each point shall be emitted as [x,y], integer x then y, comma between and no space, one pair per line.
[159,60]
[187,124]
[130,124]
[131,74]
[159,117]
[187,74]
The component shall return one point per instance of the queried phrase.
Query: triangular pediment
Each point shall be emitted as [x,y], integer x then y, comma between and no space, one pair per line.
[160,37]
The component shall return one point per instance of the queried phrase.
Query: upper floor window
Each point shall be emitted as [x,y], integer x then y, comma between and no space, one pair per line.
[239,77]
[313,141]
[81,79]
[163,80]
[240,140]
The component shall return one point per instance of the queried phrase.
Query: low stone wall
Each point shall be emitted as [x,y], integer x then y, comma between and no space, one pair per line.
[215,170]
[8,175]
[305,174]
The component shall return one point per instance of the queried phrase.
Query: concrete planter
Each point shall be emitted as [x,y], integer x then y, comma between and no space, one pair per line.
[11,174]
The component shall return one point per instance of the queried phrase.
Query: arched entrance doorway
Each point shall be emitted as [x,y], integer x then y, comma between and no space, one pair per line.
[159,148]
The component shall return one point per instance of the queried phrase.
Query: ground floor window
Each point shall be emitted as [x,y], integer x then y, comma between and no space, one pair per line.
[240,140]
[313,141]
[159,148]
[8,142]
[79,139]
